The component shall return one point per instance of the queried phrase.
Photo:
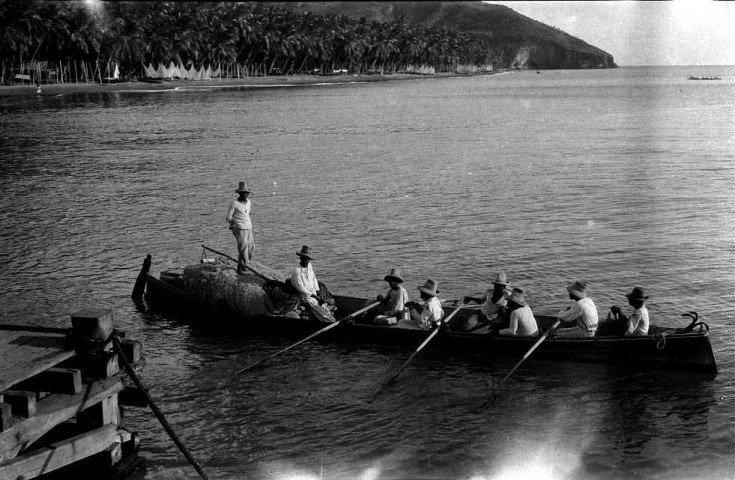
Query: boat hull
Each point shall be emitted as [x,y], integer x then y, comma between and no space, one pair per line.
[666,350]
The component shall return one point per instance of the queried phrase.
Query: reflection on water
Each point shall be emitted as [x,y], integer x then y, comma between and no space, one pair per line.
[596,175]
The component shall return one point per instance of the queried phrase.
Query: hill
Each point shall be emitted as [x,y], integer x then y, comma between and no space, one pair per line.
[517,40]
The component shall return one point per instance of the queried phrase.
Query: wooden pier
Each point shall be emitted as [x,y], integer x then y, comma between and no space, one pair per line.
[60,396]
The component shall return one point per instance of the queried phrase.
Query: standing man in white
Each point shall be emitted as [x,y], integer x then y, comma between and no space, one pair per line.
[238,216]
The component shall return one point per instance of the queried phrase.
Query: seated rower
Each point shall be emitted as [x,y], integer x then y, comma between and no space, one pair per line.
[522,321]
[493,304]
[303,279]
[427,313]
[637,323]
[580,319]
[393,302]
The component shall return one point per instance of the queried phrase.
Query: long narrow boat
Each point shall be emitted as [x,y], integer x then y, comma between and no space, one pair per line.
[228,297]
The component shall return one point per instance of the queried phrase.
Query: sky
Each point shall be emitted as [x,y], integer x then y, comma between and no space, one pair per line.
[675,32]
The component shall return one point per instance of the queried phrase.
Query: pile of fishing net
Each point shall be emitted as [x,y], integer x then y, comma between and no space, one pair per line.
[243,295]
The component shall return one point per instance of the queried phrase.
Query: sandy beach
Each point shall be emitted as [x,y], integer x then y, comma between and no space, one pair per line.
[272,81]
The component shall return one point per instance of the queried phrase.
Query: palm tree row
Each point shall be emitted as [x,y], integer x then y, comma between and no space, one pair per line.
[259,39]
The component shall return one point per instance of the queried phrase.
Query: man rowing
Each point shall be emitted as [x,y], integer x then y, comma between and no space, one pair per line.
[522,321]
[394,301]
[492,304]
[579,320]
[427,313]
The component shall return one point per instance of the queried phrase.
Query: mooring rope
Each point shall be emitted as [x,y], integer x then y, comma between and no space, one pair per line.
[157,412]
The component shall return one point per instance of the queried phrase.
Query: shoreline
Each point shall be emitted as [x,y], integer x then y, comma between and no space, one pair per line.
[272,81]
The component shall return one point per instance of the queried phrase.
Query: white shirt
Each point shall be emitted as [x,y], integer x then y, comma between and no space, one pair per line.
[304,280]
[396,300]
[522,322]
[431,314]
[239,213]
[638,322]
[584,313]
[489,308]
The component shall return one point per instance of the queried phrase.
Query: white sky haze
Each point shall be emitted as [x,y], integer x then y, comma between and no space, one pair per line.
[675,32]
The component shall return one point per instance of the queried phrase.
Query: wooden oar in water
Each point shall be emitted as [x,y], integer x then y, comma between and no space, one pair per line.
[325,329]
[423,344]
[528,353]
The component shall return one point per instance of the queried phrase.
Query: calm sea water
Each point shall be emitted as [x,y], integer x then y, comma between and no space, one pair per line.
[622,177]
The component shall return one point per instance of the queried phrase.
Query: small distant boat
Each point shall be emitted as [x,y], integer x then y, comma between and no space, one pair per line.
[692,77]
[150,79]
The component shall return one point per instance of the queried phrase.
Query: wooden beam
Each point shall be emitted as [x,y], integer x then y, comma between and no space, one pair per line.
[61,454]
[5,415]
[133,350]
[50,412]
[23,403]
[91,326]
[66,381]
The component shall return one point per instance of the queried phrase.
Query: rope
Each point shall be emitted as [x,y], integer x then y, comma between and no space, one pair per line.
[131,373]
[660,341]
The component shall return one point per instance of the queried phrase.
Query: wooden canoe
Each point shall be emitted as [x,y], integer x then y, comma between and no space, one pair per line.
[667,348]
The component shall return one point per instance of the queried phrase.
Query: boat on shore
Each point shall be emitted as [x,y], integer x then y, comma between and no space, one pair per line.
[693,77]
[213,290]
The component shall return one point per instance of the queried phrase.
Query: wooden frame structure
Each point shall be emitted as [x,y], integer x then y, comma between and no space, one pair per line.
[59,396]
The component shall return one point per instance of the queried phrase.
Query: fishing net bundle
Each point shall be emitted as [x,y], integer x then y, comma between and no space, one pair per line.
[219,285]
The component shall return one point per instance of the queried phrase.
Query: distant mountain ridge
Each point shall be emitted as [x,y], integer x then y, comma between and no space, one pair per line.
[517,41]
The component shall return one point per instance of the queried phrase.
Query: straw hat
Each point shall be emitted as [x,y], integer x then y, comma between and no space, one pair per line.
[394,276]
[517,296]
[429,288]
[500,279]
[305,252]
[243,188]
[579,288]
[637,294]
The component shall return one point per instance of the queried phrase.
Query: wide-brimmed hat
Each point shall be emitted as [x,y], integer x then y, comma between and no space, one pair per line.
[500,279]
[517,296]
[579,288]
[637,294]
[429,287]
[306,252]
[243,188]
[394,276]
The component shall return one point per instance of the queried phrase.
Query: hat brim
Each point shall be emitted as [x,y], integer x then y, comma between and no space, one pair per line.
[428,292]
[631,297]
[393,278]
[243,191]
[304,255]
[505,284]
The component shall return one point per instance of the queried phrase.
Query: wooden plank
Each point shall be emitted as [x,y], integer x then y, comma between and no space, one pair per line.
[67,381]
[32,355]
[50,412]
[22,403]
[61,454]
[12,339]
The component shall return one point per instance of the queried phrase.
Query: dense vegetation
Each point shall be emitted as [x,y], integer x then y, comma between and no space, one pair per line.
[247,38]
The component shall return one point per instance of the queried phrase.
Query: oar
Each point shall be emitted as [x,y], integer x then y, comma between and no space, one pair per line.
[325,329]
[528,353]
[237,262]
[423,344]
